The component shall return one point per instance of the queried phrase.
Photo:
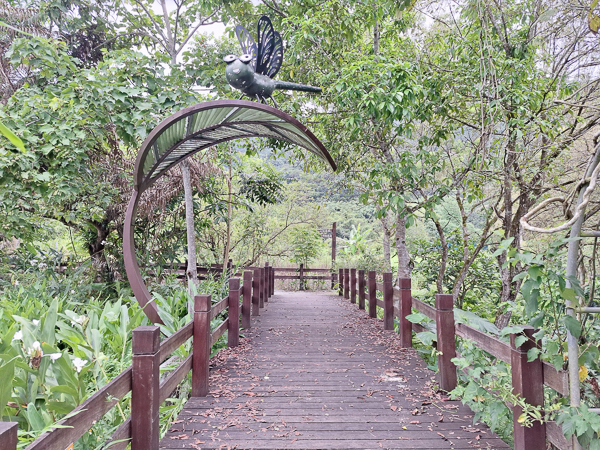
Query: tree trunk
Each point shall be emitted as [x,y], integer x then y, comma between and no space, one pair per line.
[404,268]
[192,273]
[387,254]
[228,237]
[96,250]
[444,255]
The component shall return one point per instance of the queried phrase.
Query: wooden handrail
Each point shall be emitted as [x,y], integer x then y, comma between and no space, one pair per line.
[528,376]
[176,340]
[87,413]
[83,416]
[219,308]
[218,332]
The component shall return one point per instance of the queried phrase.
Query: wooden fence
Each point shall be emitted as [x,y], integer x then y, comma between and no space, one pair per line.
[143,379]
[528,377]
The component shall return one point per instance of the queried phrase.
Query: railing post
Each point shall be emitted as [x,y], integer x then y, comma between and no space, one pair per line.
[233,319]
[145,384]
[201,345]
[346,283]
[8,435]
[405,308]
[528,383]
[247,300]
[333,279]
[301,277]
[267,282]
[446,343]
[261,288]
[361,289]
[388,302]
[372,294]
[256,293]
[271,281]
[341,282]
[352,285]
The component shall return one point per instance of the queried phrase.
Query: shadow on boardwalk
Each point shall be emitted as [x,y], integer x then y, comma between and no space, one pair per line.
[314,372]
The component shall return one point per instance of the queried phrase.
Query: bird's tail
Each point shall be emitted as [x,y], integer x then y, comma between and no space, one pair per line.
[285,85]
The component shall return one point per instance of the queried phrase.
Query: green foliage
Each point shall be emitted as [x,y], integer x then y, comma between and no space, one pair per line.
[306,245]
[478,292]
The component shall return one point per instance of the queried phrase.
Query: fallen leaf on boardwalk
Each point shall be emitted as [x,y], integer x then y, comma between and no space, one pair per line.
[414,422]
[393,407]
[181,436]
[293,440]
[251,394]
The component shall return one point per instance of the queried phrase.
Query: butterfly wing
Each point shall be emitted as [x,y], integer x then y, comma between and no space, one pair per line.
[276,57]
[247,43]
[266,45]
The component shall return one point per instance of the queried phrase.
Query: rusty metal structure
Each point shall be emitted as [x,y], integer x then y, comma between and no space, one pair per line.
[192,130]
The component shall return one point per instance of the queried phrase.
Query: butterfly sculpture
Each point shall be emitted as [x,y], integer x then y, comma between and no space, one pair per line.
[253,71]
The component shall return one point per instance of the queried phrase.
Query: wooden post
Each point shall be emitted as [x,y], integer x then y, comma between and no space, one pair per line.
[267,282]
[405,308]
[256,293]
[528,383]
[372,294]
[301,277]
[388,301]
[346,283]
[261,288]
[201,345]
[361,289]
[145,384]
[271,269]
[8,435]
[446,343]
[247,300]
[233,319]
[333,242]
[352,285]
[341,281]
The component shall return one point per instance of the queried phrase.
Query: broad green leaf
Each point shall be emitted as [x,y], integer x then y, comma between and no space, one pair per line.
[572,325]
[12,137]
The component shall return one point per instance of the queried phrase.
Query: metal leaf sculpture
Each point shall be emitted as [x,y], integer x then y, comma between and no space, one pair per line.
[253,71]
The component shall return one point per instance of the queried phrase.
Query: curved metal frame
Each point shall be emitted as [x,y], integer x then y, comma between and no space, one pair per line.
[142,180]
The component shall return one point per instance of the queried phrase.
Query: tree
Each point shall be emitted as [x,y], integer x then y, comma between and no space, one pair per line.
[81,127]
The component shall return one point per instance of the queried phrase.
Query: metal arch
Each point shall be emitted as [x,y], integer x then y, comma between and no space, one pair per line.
[189,131]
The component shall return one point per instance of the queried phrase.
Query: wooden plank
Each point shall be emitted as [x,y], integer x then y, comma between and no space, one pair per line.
[176,340]
[83,417]
[484,341]
[172,380]
[122,433]
[297,277]
[8,435]
[424,308]
[219,308]
[315,374]
[555,435]
[557,380]
[219,331]
[297,269]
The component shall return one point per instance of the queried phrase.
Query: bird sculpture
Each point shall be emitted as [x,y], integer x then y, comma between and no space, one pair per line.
[253,71]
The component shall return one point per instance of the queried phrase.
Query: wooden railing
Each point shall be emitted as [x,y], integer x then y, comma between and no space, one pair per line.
[300,273]
[142,378]
[528,377]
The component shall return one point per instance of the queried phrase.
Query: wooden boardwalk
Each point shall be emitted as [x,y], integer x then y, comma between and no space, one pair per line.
[314,372]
